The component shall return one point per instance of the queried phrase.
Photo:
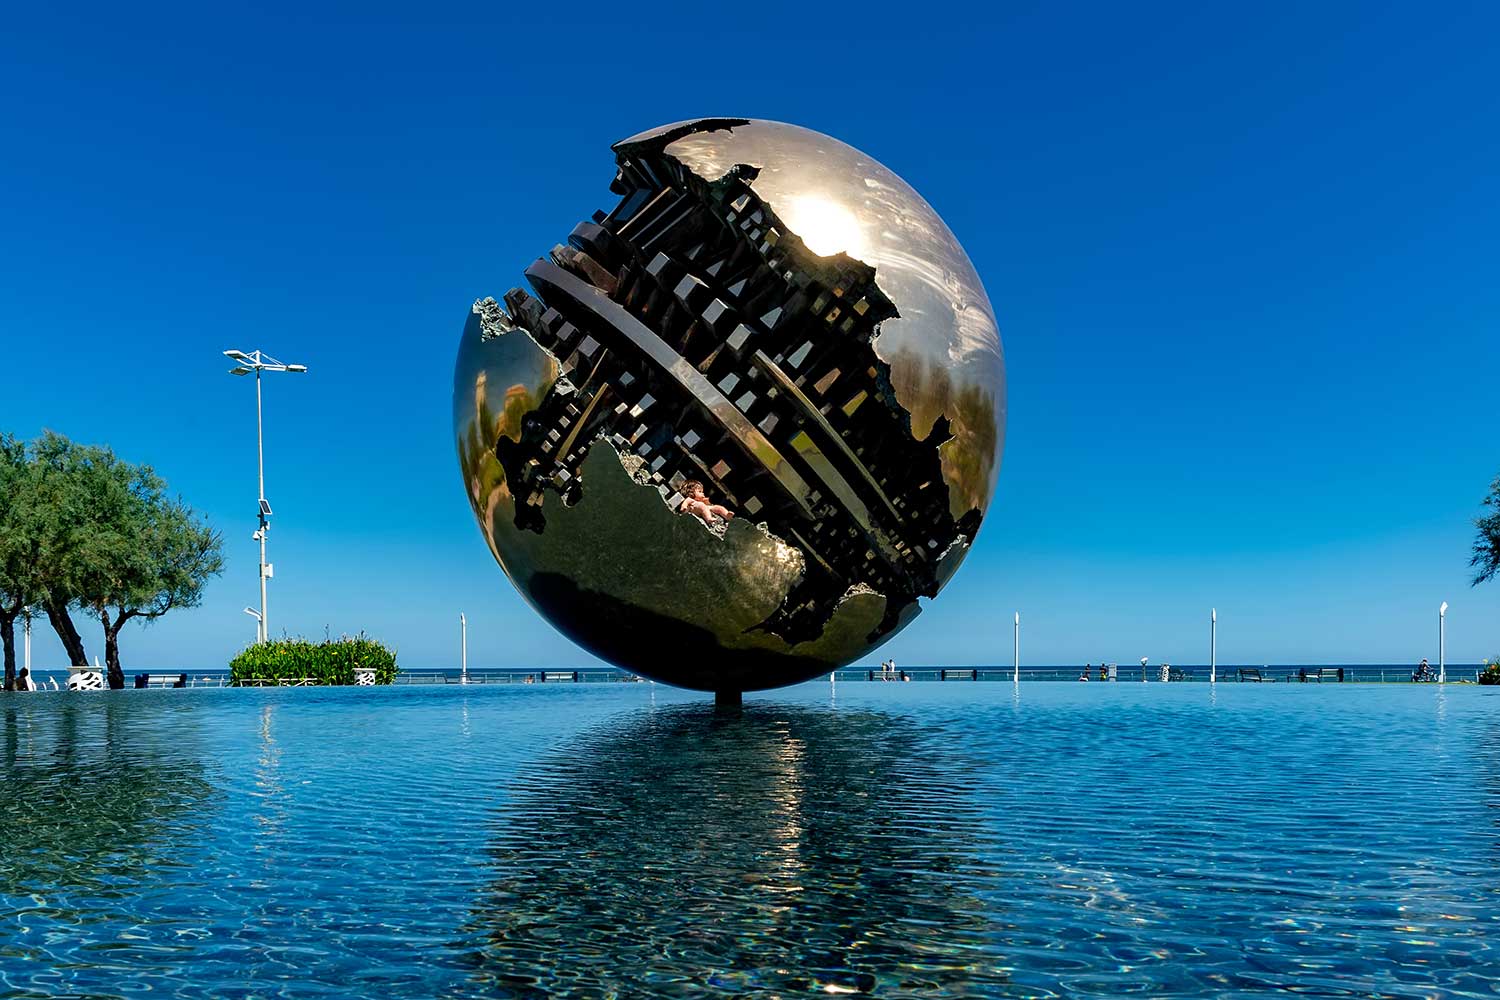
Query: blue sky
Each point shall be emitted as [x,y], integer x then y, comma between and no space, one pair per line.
[1243,263]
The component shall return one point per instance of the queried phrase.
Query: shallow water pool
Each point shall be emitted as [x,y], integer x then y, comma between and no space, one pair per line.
[890,840]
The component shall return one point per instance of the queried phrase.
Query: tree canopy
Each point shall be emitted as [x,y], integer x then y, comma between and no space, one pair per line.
[1486,561]
[18,538]
[81,528]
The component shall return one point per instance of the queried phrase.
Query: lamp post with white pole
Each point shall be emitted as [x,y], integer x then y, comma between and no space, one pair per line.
[257,362]
[256,615]
[1018,647]
[26,657]
[463,648]
[1442,644]
[1213,645]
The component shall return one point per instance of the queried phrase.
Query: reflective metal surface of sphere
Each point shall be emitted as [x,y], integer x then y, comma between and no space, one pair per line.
[741,422]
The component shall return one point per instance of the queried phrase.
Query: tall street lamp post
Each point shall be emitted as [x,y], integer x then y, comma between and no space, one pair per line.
[1442,644]
[257,362]
[1213,645]
[1018,647]
[463,648]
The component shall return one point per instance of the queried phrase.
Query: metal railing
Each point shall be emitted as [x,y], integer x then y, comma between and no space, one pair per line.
[1199,674]
[1131,673]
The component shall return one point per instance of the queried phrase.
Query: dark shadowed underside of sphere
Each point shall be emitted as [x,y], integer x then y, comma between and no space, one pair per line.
[773,316]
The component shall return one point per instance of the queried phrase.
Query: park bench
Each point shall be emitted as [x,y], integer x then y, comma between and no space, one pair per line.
[161,680]
[958,675]
[1176,674]
[558,675]
[1251,674]
[1321,674]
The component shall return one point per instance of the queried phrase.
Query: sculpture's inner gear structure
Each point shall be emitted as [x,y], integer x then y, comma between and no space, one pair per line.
[695,331]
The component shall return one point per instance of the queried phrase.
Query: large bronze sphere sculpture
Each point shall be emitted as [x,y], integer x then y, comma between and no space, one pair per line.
[741,422]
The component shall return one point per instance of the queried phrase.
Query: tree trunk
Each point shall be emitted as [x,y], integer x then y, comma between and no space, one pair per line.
[114,673]
[8,636]
[57,614]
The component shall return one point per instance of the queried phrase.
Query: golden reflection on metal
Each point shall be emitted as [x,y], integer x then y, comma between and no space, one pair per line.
[825,225]
[944,349]
[596,550]
[678,367]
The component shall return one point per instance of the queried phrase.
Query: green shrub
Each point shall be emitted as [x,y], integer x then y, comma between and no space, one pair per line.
[1491,672]
[329,662]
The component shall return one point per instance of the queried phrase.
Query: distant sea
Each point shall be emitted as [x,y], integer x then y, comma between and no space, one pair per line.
[1364,673]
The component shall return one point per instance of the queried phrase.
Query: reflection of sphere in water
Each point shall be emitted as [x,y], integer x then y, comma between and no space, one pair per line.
[774,316]
[786,851]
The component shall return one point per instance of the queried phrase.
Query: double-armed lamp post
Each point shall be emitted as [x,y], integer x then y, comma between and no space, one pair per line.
[257,362]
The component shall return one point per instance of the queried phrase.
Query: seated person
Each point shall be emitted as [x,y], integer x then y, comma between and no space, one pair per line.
[698,505]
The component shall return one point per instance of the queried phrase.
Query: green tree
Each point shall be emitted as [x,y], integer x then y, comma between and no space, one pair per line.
[176,555]
[146,553]
[61,520]
[18,537]
[1486,561]
[102,535]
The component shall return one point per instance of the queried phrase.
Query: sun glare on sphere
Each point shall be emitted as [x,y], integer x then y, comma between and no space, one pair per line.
[826,227]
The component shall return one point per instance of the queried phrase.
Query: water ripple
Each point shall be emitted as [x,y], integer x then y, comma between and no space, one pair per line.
[625,841]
